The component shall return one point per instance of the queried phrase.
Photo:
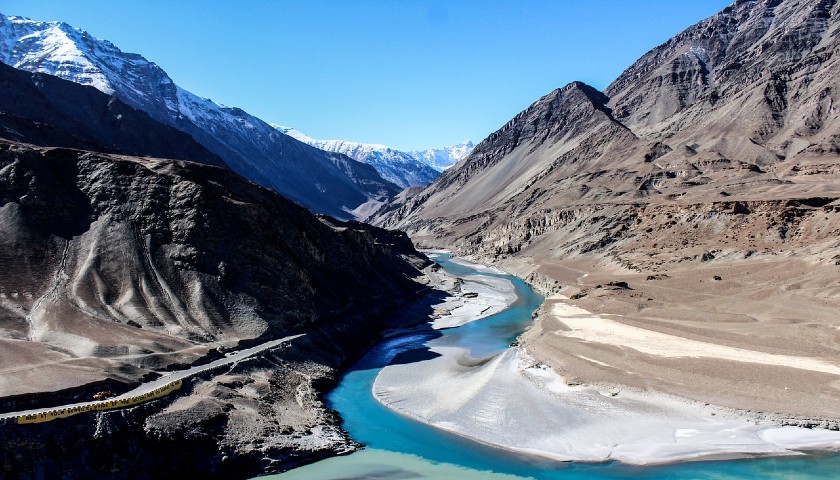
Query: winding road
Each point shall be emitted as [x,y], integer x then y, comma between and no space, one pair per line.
[170,377]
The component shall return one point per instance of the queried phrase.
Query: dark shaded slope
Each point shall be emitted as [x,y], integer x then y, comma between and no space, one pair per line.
[94,247]
[45,110]
[324,182]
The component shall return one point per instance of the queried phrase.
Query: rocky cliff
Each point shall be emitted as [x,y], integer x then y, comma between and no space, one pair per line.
[114,269]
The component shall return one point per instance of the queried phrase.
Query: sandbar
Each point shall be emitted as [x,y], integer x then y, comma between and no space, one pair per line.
[511,401]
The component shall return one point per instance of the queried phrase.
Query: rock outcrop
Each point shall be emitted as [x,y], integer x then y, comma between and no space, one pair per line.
[114,269]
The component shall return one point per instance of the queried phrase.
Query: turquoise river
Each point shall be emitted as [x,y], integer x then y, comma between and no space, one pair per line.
[401,448]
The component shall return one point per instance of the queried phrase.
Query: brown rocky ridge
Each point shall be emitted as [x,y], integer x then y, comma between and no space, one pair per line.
[706,179]
[117,268]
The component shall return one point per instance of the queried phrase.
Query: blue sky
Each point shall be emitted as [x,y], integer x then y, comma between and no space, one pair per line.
[409,74]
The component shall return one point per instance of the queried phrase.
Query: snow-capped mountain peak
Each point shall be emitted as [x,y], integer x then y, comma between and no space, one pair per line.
[50,47]
[406,169]
[59,49]
[443,158]
[331,145]
[248,146]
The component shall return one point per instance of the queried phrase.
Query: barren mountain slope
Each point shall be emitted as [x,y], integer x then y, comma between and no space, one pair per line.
[707,181]
[132,264]
[114,269]
[48,111]
[563,137]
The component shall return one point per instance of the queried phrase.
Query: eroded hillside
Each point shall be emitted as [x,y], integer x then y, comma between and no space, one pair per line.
[712,158]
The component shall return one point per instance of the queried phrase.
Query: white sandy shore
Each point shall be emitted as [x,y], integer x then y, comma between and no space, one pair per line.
[504,400]
[479,297]
[476,266]
[471,297]
[593,328]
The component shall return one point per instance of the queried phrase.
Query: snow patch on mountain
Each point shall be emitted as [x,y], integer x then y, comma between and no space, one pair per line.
[406,169]
[442,158]
[323,182]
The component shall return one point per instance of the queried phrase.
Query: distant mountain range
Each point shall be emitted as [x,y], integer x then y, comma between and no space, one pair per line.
[442,158]
[406,169]
[322,181]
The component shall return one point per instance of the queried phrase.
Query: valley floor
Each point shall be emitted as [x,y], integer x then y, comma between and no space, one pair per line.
[619,406]
[759,335]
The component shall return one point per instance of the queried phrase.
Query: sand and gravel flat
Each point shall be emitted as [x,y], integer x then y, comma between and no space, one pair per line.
[513,401]
[764,338]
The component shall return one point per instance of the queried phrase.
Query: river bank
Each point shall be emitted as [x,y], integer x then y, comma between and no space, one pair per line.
[258,410]
[509,400]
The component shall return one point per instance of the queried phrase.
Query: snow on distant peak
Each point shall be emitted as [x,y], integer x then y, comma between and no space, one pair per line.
[406,169]
[443,158]
[438,158]
[50,47]
[328,144]
[296,134]
[59,49]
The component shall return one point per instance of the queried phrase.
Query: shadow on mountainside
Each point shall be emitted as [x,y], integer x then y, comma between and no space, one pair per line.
[408,336]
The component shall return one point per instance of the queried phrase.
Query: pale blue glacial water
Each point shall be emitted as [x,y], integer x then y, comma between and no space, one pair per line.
[401,448]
